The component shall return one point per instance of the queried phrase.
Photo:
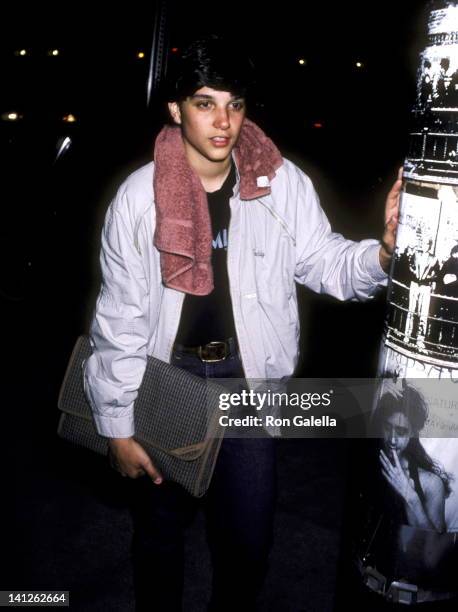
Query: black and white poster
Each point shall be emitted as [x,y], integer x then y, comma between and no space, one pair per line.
[423,297]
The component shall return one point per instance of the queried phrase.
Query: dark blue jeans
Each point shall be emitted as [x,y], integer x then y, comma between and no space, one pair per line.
[239,508]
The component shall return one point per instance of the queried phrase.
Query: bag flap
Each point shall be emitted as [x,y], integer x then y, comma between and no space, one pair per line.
[175,411]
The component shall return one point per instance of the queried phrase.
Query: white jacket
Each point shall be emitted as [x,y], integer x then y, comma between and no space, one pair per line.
[274,241]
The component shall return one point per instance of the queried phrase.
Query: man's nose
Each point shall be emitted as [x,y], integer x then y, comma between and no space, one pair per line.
[222,121]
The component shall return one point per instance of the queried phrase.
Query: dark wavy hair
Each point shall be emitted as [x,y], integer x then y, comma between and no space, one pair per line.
[410,402]
[210,61]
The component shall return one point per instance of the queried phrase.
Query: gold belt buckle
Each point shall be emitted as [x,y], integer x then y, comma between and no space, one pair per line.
[213,351]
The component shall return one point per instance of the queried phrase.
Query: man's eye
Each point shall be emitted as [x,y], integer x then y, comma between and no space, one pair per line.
[237,105]
[203,105]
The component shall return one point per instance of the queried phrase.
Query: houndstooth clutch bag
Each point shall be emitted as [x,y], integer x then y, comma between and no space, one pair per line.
[176,419]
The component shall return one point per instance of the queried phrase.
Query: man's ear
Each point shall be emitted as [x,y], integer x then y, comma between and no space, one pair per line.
[174,110]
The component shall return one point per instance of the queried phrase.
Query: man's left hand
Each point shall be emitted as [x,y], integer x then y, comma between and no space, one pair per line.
[391,223]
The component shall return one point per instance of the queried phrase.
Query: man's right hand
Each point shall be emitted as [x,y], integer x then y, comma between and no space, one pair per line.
[129,458]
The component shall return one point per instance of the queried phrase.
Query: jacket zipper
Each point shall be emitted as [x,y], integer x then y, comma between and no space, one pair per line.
[239,344]
[279,219]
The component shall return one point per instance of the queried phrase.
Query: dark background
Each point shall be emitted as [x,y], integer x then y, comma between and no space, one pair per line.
[347,127]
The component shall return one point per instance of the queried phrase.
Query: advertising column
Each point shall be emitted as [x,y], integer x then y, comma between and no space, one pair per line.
[410,548]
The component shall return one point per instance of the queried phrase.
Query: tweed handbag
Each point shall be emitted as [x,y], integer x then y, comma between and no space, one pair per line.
[176,419]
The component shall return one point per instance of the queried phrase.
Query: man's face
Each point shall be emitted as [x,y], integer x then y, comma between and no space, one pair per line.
[396,432]
[210,121]
[422,245]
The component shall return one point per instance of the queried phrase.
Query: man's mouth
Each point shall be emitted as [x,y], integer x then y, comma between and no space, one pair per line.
[220,141]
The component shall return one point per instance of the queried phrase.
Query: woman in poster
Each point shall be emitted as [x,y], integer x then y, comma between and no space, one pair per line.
[419,485]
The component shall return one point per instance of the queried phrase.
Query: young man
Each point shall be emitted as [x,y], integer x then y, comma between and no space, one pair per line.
[217,181]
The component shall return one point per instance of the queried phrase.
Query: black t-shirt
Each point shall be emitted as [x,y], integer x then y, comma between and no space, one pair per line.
[209,317]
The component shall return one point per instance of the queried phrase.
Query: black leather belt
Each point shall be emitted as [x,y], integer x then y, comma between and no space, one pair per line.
[211,352]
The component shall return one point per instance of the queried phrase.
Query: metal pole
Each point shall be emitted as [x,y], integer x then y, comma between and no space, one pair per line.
[158,57]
